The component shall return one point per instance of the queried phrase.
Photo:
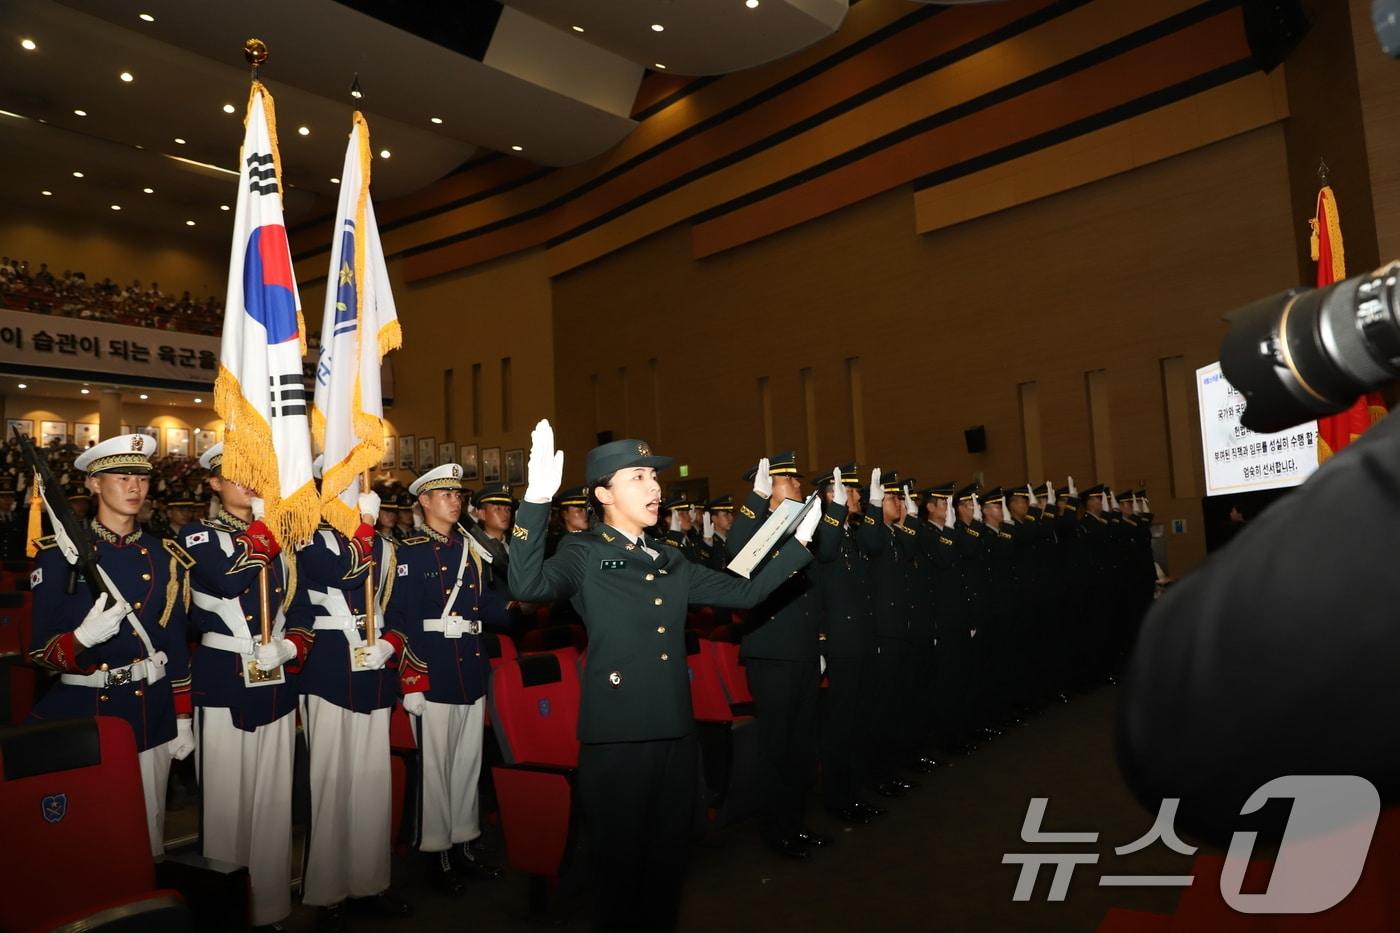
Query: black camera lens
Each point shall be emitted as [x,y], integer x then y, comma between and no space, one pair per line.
[1308,353]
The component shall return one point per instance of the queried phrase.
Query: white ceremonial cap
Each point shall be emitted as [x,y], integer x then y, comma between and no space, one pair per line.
[212,458]
[125,453]
[446,476]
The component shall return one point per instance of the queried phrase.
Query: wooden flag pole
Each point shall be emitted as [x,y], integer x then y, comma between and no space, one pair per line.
[263,603]
[369,582]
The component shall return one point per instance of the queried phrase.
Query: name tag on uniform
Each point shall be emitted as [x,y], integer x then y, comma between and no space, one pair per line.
[614,564]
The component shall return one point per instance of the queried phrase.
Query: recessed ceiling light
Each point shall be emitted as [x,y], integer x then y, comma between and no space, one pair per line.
[28,44]
[577,28]
[127,77]
[143,396]
[150,19]
[46,193]
[179,141]
[149,190]
[228,108]
[189,223]
[24,385]
[335,181]
[77,174]
[518,148]
[199,401]
[116,207]
[660,66]
[751,4]
[304,130]
[657,27]
[435,119]
[84,391]
[223,207]
[384,153]
[80,113]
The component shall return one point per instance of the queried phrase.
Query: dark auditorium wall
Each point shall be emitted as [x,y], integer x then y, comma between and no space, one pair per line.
[1113,276]
[1379,85]
[106,248]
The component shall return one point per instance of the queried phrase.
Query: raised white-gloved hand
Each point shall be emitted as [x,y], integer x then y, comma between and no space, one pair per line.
[274,654]
[837,489]
[976,509]
[1049,493]
[877,489]
[808,526]
[1030,491]
[259,508]
[183,743]
[369,507]
[1072,491]
[707,528]
[101,621]
[911,508]
[378,654]
[473,514]
[414,703]
[950,514]
[546,471]
[1146,506]
[1111,499]
[676,520]
[762,482]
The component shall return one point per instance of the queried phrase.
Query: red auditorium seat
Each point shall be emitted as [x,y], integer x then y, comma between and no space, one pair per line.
[534,703]
[15,621]
[732,674]
[555,636]
[74,815]
[403,765]
[728,745]
[499,649]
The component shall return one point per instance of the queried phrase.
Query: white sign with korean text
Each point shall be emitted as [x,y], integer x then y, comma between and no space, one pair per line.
[1237,459]
[68,348]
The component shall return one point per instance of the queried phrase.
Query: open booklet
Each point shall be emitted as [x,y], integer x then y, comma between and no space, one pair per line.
[780,524]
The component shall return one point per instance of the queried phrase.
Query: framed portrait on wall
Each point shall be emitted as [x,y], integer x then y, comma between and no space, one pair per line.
[406,452]
[203,440]
[427,453]
[150,431]
[468,462]
[25,426]
[177,442]
[447,453]
[51,431]
[85,433]
[491,465]
[515,466]
[391,452]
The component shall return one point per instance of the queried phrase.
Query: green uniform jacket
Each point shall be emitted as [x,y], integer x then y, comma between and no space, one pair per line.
[635,685]
[843,575]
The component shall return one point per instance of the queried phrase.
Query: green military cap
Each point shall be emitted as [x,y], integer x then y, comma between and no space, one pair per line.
[1020,490]
[676,502]
[942,491]
[182,499]
[848,476]
[1124,494]
[1141,493]
[574,495]
[1063,493]
[607,459]
[782,463]
[992,496]
[721,504]
[78,492]
[966,493]
[405,501]
[891,483]
[1095,490]
[493,494]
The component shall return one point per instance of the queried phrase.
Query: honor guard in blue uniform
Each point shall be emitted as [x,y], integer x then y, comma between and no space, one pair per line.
[126,658]
[638,760]
[439,602]
[347,694]
[245,701]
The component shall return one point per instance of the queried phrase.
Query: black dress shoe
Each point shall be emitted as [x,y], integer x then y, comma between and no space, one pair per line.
[854,815]
[269,928]
[791,847]
[922,765]
[468,866]
[815,840]
[480,846]
[331,919]
[442,873]
[383,904]
[907,785]
[860,806]
[890,789]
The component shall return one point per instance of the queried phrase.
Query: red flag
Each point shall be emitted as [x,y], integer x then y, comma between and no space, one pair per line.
[1336,431]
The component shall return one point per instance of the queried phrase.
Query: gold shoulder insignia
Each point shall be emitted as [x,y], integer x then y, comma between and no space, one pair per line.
[179,553]
[607,537]
[974,532]
[416,539]
[945,541]
[46,542]
[869,520]
[831,521]
[746,511]
[520,532]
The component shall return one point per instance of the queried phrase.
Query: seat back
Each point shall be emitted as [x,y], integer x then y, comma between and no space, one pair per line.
[72,806]
[534,704]
[707,696]
[499,649]
[15,619]
[732,673]
[555,636]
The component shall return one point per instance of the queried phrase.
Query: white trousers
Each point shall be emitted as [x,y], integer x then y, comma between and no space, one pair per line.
[449,738]
[155,777]
[348,852]
[246,779]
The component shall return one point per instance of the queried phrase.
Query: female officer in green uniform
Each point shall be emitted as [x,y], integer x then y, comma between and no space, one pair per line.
[638,760]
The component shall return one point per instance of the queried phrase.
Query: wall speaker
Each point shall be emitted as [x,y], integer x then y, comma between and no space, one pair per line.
[976,439]
[1274,28]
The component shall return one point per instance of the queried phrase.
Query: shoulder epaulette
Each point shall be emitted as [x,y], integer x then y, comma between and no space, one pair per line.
[974,532]
[179,553]
[416,539]
[46,542]
[945,541]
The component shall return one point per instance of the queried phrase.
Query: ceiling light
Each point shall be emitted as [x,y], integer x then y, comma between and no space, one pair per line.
[179,141]
[660,66]
[46,193]
[577,28]
[657,27]
[304,130]
[149,190]
[143,396]
[28,44]
[116,207]
[77,174]
[223,207]
[24,385]
[126,76]
[435,119]
[384,153]
[518,148]
[199,401]
[751,4]
[335,181]
[84,391]
[150,19]
[228,108]
[80,113]
[189,223]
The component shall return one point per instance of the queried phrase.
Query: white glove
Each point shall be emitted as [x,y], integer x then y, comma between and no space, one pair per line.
[1030,491]
[1049,493]
[762,482]
[414,703]
[274,654]
[976,509]
[911,508]
[101,621]
[183,743]
[808,527]
[473,514]
[1145,506]
[707,528]
[836,488]
[676,520]
[546,471]
[877,489]
[1111,499]
[949,514]
[378,654]
[259,508]
[369,507]
[1072,491]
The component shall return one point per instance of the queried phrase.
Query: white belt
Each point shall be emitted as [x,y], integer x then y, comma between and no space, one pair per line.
[345,624]
[116,676]
[452,626]
[243,646]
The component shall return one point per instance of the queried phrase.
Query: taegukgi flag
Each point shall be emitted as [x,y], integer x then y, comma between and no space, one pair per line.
[259,391]
[360,326]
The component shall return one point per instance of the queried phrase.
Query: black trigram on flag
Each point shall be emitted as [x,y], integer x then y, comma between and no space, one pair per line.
[262,173]
[287,395]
